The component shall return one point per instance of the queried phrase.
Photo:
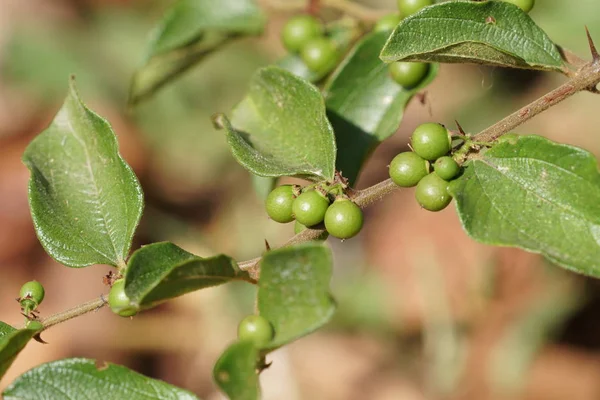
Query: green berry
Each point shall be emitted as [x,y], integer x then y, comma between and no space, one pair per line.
[279,204]
[319,55]
[299,30]
[409,7]
[33,291]
[387,23]
[432,193]
[343,219]
[525,5]
[118,301]
[407,169]
[446,168]
[256,329]
[431,141]
[408,74]
[309,208]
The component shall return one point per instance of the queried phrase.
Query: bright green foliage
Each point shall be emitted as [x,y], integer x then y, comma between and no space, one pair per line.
[279,204]
[162,271]
[320,55]
[78,378]
[409,7]
[12,341]
[408,168]
[281,128]
[299,30]
[32,290]
[537,195]
[343,219]
[293,290]
[432,193]
[408,74]
[85,200]
[525,5]
[462,31]
[431,141]
[256,329]
[387,23]
[446,168]
[235,371]
[309,208]
[119,302]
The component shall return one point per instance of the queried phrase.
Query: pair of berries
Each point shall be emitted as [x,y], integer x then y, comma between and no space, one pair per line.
[304,35]
[430,142]
[343,219]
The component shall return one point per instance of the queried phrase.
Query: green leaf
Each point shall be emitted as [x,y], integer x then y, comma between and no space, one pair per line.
[364,104]
[85,201]
[235,372]
[12,341]
[281,129]
[189,31]
[537,195]
[80,378]
[162,271]
[293,290]
[489,32]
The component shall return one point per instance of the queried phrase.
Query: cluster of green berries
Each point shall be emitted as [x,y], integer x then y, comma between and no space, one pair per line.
[431,143]
[256,329]
[342,218]
[525,5]
[31,296]
[305,35]
[118,301]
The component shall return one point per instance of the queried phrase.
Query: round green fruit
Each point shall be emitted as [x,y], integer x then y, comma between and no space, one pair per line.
[525,5]
[407,169]
[387,23]
[432,193]
[431,141]
[118,301]
[279,204]
[309,208]
[319,55]
[34,291]
[409,7]
[299,30]
[343,219]
[408,74]
[446,168]
[256,329]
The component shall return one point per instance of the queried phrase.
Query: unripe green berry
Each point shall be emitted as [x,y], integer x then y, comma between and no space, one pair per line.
[118,301]
[387,23]
[256,329]
[299,30]
[343,219]
[309,208]
[432,193]
[446,168]
[409,7]
[279,204]
[407,169]
[33,291]
[320,55]
[431,141]
[408,74]
[525,5]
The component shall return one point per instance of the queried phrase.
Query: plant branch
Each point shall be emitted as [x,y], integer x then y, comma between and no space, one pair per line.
[81,309]
[346,6]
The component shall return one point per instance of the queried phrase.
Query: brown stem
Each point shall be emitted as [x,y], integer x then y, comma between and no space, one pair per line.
[76,311]
[346,6]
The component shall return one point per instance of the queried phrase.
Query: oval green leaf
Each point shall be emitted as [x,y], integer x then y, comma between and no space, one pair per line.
[162,271]
[12,341]
[85,200]
[235,372]
[488,32]
[364,104]
[80,378]
[189,31]
[281,129]
[293,290]
[537,195]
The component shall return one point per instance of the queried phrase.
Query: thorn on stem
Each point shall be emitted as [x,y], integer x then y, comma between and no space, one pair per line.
[595,55]
[267,245]
[460,128]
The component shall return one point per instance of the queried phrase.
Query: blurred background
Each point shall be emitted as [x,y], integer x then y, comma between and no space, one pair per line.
[424,311]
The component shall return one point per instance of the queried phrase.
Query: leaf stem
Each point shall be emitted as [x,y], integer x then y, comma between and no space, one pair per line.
[81,309]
